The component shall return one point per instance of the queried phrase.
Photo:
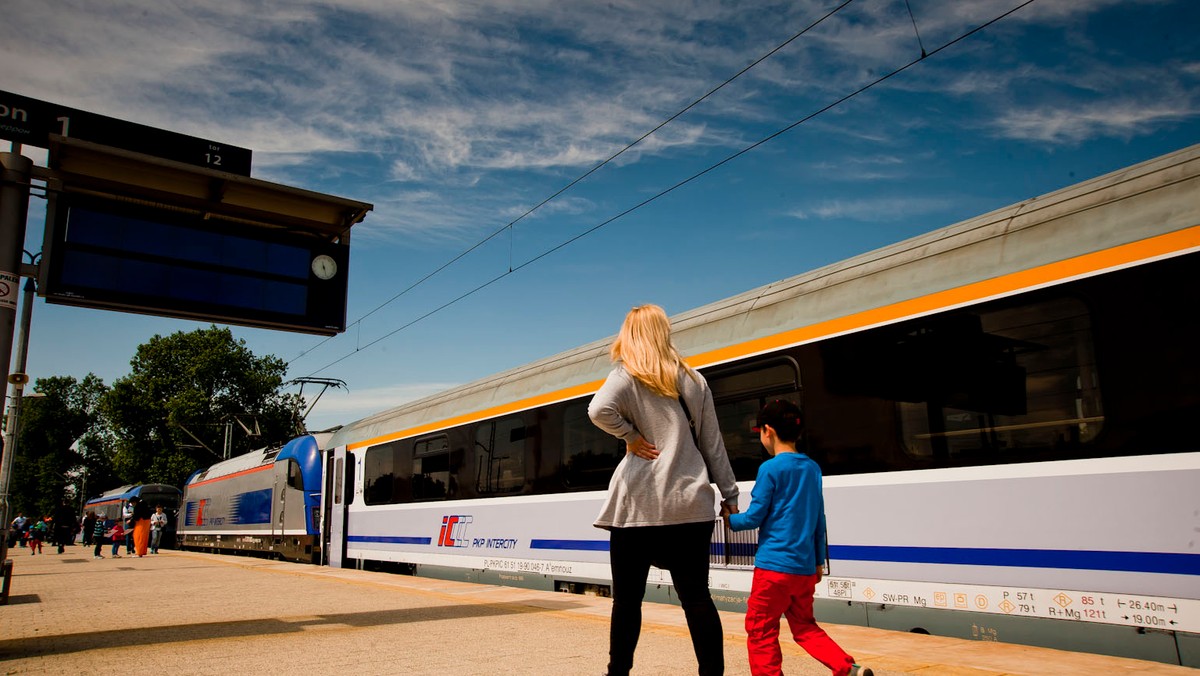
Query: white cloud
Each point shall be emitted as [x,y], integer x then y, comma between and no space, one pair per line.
[340,406]
[1070,125]
[872,210]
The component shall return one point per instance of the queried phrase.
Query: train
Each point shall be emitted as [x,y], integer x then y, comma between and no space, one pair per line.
[263,502]
[1003,410]
[110,504]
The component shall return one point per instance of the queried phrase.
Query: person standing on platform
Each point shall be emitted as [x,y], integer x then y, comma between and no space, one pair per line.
[661,507]
[127,526]
[97,535]
[158,523]
[118,537]
[65,526]
[788,509]
[89,525]
[140,523]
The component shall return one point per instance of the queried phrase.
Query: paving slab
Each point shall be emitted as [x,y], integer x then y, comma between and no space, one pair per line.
[192,613]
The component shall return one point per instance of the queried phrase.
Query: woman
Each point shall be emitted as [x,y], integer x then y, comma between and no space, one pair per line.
[140,522]
[661,506]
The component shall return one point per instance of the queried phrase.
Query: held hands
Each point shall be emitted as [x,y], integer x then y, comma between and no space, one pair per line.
[642,448]
[726,510]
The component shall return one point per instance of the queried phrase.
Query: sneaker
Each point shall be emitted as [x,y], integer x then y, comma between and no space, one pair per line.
[97,557]
[860,670]
[116,556]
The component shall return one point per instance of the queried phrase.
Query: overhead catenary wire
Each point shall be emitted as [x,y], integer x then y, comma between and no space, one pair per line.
[509,226]
[920,43]
[689,179]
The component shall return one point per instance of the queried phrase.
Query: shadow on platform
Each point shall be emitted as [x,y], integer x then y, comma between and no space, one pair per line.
[148,636]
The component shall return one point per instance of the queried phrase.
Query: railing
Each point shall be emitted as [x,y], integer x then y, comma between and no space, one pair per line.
[732,550]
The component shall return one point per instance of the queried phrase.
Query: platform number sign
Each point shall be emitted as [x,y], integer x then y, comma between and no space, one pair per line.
[32,122]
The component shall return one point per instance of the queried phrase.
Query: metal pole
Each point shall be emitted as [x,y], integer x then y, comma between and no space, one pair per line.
[15,173]
[12,426]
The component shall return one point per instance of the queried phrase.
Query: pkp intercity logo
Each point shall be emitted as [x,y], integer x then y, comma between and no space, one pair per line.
[454,531]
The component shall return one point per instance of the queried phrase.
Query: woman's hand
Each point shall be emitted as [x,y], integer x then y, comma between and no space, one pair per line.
[642,448]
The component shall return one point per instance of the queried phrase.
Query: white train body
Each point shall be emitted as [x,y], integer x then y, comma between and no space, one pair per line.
[1003,410]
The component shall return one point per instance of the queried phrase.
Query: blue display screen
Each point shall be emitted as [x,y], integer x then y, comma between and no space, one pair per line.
[144,259]
[135,236]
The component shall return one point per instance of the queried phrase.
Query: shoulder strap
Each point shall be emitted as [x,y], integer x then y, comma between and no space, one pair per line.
[691,421]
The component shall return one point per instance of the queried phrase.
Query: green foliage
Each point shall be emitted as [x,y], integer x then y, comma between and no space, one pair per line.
[171,414]
[47,456]
[94,438]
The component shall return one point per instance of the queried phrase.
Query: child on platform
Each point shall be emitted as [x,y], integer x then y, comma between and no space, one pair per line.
[788,509]
[118,538]
[98,537]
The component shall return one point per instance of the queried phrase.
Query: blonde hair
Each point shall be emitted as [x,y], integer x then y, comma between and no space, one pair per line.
[644,348]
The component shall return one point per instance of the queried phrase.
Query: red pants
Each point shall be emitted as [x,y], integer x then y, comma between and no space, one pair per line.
[772,595]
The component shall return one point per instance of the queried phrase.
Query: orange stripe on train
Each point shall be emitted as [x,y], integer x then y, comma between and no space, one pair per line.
[1175,243]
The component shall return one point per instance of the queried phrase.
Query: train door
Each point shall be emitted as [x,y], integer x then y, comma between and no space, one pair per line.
[277,496]
[338,485]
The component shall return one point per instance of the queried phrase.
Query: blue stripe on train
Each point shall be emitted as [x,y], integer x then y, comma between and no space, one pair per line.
[390,540]
[1133,562]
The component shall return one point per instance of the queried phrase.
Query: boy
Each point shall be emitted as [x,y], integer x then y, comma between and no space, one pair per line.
[98,536]
[38,532]
[789,510]
[118,536]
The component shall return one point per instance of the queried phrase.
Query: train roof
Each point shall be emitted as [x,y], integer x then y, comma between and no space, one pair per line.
[129,490]
[1123,218]
[239,463]
[253,459]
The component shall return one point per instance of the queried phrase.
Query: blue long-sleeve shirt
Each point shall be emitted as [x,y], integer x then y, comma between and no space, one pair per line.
[788,509]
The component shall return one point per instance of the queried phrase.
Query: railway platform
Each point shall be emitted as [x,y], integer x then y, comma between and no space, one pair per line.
[190,613]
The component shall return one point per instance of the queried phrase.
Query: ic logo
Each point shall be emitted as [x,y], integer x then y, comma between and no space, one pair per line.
[454,531]
[194,513]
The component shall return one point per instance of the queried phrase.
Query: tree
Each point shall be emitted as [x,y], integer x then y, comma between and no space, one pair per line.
[169,416]
[51,430]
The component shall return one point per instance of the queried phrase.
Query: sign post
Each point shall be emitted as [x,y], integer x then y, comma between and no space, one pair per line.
[15,173]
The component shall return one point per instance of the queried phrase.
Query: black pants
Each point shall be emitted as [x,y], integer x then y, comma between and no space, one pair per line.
[683,550]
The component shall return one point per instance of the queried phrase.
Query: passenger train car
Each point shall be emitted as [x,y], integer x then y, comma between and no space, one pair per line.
[109,505]
[1004,411]
[264,502]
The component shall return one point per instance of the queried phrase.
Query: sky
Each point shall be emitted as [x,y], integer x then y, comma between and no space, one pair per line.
[455,118]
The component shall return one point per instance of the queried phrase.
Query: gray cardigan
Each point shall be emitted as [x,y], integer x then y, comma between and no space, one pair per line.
[675,488]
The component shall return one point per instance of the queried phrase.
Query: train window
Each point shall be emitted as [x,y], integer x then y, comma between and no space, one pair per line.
[431,477]
[295,479]
[378,472]
[760,378]
[1000,384]
[739,392]
[169,501]
[337,481]
[589,454]
[500,456]
[385,474]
